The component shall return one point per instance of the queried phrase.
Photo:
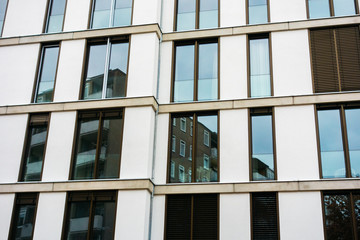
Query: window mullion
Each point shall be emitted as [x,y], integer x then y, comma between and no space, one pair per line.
[194,149]
[98,145]
[345,142]
[196,70]
[337,59]
[112,10]
[192,218]
[107,63]
[331,5]
[197,14]
[91,217]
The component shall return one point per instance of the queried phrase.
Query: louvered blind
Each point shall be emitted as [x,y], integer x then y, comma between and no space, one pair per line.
[205,217]
[178,217]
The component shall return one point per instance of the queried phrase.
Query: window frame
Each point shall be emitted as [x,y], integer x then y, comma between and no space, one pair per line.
[247,6]
[331,10]
[47,17]
[2,28]
[183,124]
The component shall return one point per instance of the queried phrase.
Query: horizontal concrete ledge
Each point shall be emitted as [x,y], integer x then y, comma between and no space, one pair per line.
[260,102]
[108,32]
[80,105]
[139,184]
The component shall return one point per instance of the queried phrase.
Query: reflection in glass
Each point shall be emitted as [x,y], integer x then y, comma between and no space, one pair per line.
[344,7]
[122,13]
[207,76]
[262,148]
[56,16]
[356,198]
[258,12]
[353,133]
[186,15]
[47,72]
[208,14]
[184,73]
[79,213]
[24,221]
[319,8]
[3,4]
[104,219]
[331,144]
[101,14]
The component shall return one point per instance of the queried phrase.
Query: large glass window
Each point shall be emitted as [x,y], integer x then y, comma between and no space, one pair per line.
[90,215]
[326,8]
[3,5]
[106,71]
[257,11]
[196,71]
[197,14]
[111,13]
[44,90]
[98,144]
[55,17]
[206,168]
[262,145]
[33,159]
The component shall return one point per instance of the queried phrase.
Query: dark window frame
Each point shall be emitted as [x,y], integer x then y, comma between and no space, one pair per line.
[247,5]
[47,16]
[331,9]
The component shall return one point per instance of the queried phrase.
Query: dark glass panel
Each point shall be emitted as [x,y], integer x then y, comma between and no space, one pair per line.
[186,15]
[24,219]
[117,70]
[101,14]
[207,154]
[178,217]
[258,12]
[353,134]
[56,16]
[208,14]
[356,198]
[319,8]
[344,7]
[47,74]
[262,148]
[104,219]
[78,221]
[207,76]
[331,144]
[122,13]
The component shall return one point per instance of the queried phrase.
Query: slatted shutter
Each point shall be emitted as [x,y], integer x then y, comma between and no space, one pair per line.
[178,217]
[264,216]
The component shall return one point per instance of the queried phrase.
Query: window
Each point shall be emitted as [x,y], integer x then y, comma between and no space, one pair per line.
[262,148]
[23,219]
[33,159]
[197,14]
[3,6]
[172,169]
[111,13]
[98,144]
[257,11]
[341,214]
[206,161]
[338,129]
[44,89]
[173,143]
[264,217]
[335,59]
[196,71]
[326,8]
[90,215]
[55,16]
[192,217]
[181,173]
[191,128]
[201,122]
[260,71]
[174,122]
[106,72]
[206,138]
[182,148]
[182,124]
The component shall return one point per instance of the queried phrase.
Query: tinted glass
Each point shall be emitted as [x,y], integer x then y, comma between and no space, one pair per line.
[319,8]
[207,76]
[208,14]
[356,198]
[344,7]
[122,13]
[117,70]
[184,73]
[260,68]
[47,73]
[353,133]
[24,222]
[78,221]
[258,12]
[331,144]
[56,16]
[186,15]
[207,168]
[95,72]
[101,14]
[104,219]
[262,148]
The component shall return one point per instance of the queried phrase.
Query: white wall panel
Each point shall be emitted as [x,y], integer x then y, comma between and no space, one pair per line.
[77,15]
[232,13]
[168,11]
[6,209]
[165,72]
[285,10]
[146,12]
[158,218]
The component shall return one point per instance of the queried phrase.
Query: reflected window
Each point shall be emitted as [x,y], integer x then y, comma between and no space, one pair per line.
[173,143]
[22,226]
[55,16]
[257,11]
[106,70]
[90,215]
[172,169]
[326,8]
[98,144]
[111,13]
[3,6]
[44,89]
[181,174]
[197,14]
[202,158]
[33,159]
[262,145]
[182,124]
[196,71]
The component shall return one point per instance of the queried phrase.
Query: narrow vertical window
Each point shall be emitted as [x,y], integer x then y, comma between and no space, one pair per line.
[111,13]
[186,15]
[344,7]
[208,15]
[33,159]
[44,90]
[262,147]
[55,17]
[206,138]
[353,136]
[258,11]
[3,6]
[183,124]
[260,74]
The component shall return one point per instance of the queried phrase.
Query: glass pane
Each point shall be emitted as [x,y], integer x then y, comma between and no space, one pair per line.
[208,14]
[208,66]
[24,222]
[3,4]
[104,219]
[95,72]
[122,14]
[78,221]
[101,14]
[34,155]
[181,162]
[260,68]
[357,212]
[109,159]
[319,8]
[262,148]
[55,23]
[117,70]
[58,7]
[86,149]
[338,224]
[207,154]
[353,134]
[344,7]
[258,12]
[331,144]
[184,73]
[47,75]
[1,26]
[186,15]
